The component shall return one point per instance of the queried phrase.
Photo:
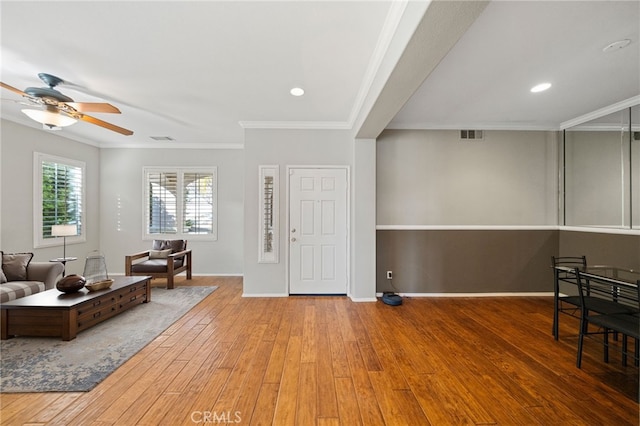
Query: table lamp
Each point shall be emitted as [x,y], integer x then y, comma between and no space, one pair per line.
[64,231]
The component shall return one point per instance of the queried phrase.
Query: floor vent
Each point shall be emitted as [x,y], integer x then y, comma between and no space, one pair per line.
[471,134]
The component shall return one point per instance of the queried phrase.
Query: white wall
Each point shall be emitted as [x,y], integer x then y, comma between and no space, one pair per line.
[286,148]
[363,219]
[16,226]
[114,200]
[431,177]
[121,202]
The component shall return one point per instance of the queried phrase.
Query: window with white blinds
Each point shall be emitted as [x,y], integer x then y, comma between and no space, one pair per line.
[180,202]
[58,196]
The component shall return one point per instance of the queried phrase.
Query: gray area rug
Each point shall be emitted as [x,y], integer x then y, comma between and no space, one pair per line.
[43,364]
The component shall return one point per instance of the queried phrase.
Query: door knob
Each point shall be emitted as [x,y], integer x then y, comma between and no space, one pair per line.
[293,240]
[293,230]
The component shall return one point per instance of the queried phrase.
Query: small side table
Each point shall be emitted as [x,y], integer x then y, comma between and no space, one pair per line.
[64,261]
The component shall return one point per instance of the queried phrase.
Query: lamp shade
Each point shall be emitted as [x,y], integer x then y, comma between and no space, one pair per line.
[49,118]
[64,230]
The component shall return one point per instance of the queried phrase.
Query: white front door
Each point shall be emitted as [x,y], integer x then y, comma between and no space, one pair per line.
[318,231]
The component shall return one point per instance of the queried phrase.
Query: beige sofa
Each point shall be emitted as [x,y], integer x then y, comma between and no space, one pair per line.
[40,276]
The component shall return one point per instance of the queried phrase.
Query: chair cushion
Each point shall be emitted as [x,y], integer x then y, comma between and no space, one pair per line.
[14,265]
[159,254]
[155,266]
[150,266]
[599,305]
[174,245]
[14,290]
[629,325]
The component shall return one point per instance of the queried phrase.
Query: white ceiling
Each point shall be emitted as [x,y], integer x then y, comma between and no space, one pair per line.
[198,71]
[484,81]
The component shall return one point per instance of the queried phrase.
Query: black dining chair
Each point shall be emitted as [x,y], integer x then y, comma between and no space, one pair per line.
[627,324]
[567,303]
[565,273]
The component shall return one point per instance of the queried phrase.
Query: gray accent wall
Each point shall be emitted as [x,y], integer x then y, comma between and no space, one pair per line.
[602,248]
[465,261]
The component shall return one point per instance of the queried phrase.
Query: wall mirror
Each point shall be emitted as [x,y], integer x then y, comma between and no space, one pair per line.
[635,167]
[601,160]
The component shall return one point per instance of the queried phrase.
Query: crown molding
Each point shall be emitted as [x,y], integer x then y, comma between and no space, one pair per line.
[627,103]
[172,145]
[302,125]
[474,126]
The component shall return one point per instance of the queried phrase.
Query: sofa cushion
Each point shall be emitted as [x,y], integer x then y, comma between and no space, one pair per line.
[14,290]
[3,277]
[14,265]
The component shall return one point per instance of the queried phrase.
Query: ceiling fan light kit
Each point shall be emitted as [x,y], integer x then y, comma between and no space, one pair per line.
[48,118]
[60,110]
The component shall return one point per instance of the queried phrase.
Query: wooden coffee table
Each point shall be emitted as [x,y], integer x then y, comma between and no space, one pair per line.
[52,313]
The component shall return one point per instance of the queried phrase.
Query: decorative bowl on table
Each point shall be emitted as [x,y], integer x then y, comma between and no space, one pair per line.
[99,285]
[70,283]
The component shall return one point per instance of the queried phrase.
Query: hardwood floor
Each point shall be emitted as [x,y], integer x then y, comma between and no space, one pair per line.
[329,361]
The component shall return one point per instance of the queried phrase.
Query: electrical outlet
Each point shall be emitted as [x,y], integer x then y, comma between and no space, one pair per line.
[389,275]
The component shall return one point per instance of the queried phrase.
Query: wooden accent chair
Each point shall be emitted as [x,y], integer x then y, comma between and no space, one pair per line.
[166,259]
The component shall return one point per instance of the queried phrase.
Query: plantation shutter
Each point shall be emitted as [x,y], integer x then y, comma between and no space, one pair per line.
[198,202]
[161,196]
[61,196]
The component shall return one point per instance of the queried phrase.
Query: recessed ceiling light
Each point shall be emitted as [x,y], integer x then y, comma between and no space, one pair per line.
[617,45]
[297,91]
[540,87]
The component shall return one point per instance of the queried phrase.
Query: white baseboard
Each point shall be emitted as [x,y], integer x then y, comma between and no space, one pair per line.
[363,299]
[265,295]
[510,294]
[121,274]
[217,275]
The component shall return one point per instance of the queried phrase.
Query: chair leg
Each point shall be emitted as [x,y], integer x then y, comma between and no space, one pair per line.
[127,266]
[583,328]
[606,345]
[624,350]
[554,329]
[188,260]
[170,273]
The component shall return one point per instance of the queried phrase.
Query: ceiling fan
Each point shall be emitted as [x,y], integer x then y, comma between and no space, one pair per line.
[60,110]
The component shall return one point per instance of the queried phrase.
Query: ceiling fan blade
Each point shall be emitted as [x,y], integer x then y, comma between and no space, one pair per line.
[13,89]
[104,124]
[94,107]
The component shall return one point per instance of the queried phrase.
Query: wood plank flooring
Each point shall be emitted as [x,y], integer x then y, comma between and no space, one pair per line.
[328,361]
